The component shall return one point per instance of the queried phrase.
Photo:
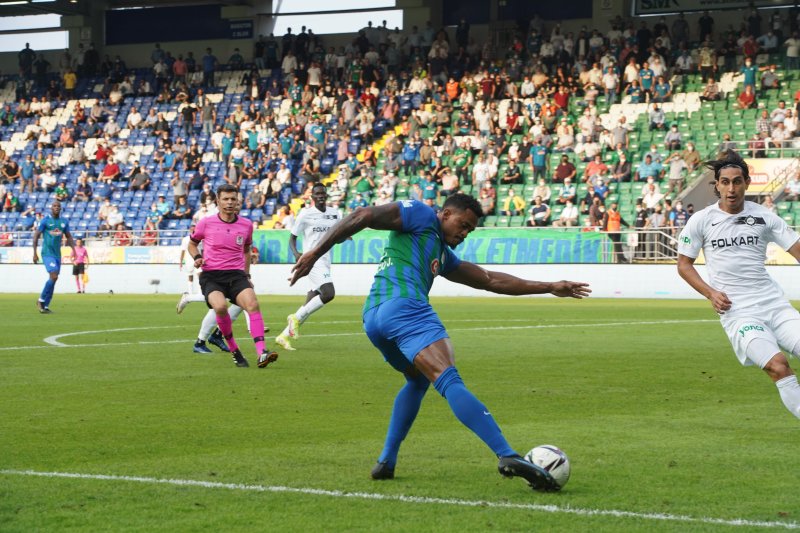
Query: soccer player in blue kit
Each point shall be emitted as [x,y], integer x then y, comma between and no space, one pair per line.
[401,323]
[53,228]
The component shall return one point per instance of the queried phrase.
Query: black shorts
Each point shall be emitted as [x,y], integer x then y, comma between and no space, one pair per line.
[78,269]
[228,282]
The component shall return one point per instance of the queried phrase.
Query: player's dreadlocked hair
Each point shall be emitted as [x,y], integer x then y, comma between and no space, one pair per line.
[731,158]
[464,202]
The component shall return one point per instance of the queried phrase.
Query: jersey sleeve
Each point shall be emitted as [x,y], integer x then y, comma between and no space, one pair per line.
[451,262]
[782,234]
[42,225]
[299,223]
[249,239]
[416,216]
[690,241]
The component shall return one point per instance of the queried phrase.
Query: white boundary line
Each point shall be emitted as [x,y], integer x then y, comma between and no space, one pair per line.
[53,342]
[53,339]
[423,500]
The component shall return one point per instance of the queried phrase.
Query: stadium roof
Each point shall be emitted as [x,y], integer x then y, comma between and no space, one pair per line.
[86,7]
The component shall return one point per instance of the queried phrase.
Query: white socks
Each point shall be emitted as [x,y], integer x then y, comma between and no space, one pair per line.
[305,311]
[789,390]
[210,321]
[208,325]
[312,306]
[234,311]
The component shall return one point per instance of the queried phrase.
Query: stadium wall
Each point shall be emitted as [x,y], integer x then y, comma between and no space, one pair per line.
[607,281]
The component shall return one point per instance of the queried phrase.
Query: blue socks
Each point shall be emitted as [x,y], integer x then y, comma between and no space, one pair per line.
[406,407]
[47,292]
[471,412]
[467,408]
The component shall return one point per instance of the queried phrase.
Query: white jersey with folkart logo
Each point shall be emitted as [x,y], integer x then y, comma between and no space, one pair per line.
[313,224]
[735,250]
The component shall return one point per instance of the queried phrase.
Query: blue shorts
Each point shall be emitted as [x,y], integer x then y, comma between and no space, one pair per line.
[401,328]
[52,264]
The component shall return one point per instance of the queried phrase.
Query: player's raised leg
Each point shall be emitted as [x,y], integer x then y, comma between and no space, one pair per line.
[781,373]
[186,299]
[315,300]
[437,363]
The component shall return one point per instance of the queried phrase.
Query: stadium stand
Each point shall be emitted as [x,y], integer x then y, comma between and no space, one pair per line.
[380,116]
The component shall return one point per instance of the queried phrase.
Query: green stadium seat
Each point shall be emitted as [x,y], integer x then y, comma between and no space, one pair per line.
[503,221]
[490,221]
[516,222]
[783,207]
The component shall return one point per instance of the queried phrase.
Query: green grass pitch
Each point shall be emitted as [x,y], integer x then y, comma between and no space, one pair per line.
[664,428]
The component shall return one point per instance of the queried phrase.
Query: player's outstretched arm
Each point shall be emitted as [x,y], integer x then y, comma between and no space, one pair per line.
[795,251]
[386,217]
[719,300]
[477,277]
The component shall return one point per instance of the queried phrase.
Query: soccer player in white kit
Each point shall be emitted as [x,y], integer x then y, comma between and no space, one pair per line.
[186,264]
[733,234]
[313,223]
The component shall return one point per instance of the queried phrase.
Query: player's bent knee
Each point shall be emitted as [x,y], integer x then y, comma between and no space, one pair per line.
[778,367]
[327,293]
[435,359]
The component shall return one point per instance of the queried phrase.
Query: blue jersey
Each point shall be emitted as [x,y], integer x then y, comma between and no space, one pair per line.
[52,230]
[412,258]
[646,78]
[539,155]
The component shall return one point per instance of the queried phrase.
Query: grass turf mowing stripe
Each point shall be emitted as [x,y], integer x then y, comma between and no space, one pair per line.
[423,500]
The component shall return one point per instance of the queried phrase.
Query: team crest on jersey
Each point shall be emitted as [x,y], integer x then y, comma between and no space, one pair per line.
[751,221]
[239,240]
[435,267]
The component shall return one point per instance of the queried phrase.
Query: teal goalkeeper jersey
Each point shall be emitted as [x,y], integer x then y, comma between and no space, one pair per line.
[52,230]
[413,257]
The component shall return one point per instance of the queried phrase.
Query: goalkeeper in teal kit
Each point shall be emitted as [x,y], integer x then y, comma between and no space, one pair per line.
[401,323]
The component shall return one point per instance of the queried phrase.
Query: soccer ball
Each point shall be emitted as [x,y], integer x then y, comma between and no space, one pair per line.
[552,459]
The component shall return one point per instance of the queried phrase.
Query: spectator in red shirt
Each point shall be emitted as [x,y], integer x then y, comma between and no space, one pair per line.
[746,99]
[110,172]
[561,98]
[565,169]
[102,153]
[595,169]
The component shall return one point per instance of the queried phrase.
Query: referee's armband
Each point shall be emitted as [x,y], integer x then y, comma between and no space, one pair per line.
[198,256]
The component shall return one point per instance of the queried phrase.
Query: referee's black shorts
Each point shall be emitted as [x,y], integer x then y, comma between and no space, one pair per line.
[78,269]
[228,282]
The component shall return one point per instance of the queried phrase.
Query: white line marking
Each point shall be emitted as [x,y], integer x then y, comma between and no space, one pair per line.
[347,334]
[553,509]
[53,339]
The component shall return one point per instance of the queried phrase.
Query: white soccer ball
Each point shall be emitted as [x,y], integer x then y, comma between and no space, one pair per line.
[552,459]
